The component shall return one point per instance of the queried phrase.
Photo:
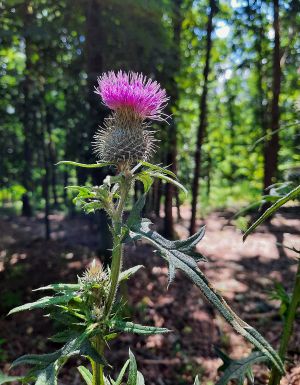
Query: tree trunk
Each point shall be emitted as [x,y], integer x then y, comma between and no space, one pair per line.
[172,145]
[26,115]
[272,146]
[94,64]
[203,115]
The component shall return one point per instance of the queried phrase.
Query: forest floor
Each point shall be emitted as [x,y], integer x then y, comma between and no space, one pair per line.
[243,272]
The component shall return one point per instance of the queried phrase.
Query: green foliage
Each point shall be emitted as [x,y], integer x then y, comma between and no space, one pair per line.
[279,201]
[239,370]
[86,375]
[130,327]
[4,379]
[182,259]
[279,293]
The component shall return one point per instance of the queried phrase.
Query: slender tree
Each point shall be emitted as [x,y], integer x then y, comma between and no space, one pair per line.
[272,146]
[94,66]
[27,113]
[203,115]
[177,18]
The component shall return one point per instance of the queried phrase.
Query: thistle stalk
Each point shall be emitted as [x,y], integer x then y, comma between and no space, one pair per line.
[98,376]
[288,328]
[116,265]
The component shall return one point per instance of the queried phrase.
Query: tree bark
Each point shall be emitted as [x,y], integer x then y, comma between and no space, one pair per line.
[94,65]
[203,116]
[272,146]
[172,145]
[26,116]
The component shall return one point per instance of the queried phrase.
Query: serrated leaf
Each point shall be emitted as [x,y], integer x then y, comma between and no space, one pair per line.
[43,302]
[130,327]
[126,274]
[240,369]
[86,375]
[155,167]
[63,336]
[271,210]
[184,262]
[60,287]
[84,165]
[4,379]
[121,374]
[132,374]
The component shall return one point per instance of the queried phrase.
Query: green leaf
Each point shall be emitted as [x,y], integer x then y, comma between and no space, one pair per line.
[86,375]
[197,381]
[132,375]
[121,374]
[47,376]
[4,379]
[155,167]
[60,287]
[146,179]
[135,213]
[180,260]
[271,210]
[168,179]
[43,302]
[130,327]
[240,369]
[126,274]
[76,164]
[140,379]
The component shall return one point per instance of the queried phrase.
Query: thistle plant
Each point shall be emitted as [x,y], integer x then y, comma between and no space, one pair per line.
[89,312]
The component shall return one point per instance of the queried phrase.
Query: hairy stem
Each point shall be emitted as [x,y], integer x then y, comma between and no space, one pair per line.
[117,252]
[116,265]
[288,328]
[98,376]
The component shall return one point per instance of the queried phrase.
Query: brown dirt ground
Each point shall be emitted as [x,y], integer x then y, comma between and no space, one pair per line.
[242,272]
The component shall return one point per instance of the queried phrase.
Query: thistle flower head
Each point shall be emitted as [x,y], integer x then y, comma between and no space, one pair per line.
[94,274]
[125,137]
[133,92]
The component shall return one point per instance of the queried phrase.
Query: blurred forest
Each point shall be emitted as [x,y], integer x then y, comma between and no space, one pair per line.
[231,69]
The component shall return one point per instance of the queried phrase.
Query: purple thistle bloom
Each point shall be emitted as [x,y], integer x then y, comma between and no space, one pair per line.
[134,92]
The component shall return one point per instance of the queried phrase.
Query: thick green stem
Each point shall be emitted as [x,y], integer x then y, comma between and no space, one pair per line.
[117,256]
[98,376]
[288,328]
[116,264]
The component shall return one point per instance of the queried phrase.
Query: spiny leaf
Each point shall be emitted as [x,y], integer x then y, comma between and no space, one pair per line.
[60,287]
[86,375]
[132,375]
[240,369]
[155,167]
[43,302]
[271,210]
[168,179]
[4,379]
[182,261]
[126,274]
[130,327]
[84,165]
